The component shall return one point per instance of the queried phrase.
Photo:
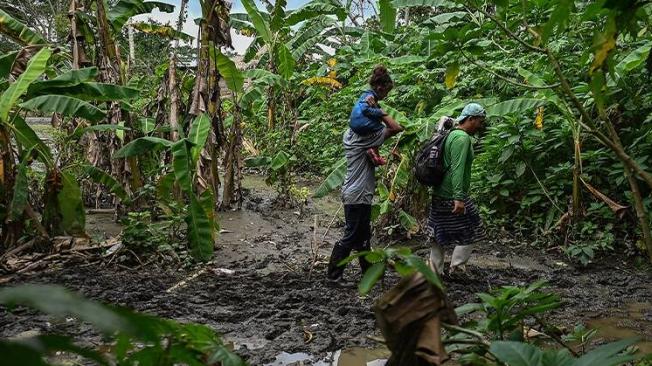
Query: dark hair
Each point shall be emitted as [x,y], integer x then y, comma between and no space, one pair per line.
[380,78]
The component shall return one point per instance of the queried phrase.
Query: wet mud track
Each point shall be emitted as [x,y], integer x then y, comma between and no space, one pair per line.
[271,304]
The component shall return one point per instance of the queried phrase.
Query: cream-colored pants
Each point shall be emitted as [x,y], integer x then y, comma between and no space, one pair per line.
[461,255]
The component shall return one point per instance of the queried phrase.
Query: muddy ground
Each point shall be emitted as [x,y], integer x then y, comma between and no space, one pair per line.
[272,303]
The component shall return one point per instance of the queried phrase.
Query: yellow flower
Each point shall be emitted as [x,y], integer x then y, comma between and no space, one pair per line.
[538,121]
[332,74]
[325,81]
[331,62]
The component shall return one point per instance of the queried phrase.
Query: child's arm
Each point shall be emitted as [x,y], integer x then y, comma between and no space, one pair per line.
[371,109]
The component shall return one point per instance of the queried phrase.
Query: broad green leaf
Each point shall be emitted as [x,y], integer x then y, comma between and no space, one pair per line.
[35,67]
[371,276]
[634,59]
[21,189]
[6,63]
[71,206]
[199,134]
[387,16]
[516,353]
[18,31]
[80,131]
[26,137]
[280,161]
[50,344]
[165,186]
[67,106]
[199,229]
[518,105]
[119,14]
[207,201]
[428,3]
[165,31]
[277,18]
[334,179]
[608,355]
[425,270]
[315,8]
[61,303]
[262,28]
[559,18]
[452,71]
[311,33]
[232,76]
[181,164]
[285,62]
[260,76]
[147,124]
[408,222]
[99,92]
[257,161]
[101,177]
[70,78]
[140,146]
[520,169]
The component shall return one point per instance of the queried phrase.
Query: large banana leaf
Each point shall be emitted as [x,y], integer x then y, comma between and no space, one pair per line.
[80,131]
[98,92]
[316,8]
[199,134]
[71,207]
[428,3]
[28,139]
[101,177]
[285,62]
[200,230]
[125,9]
[181,164]
[518,105]
[232,76]
[310,34]
[334,179]
[67,106]
[264,77]
[262,28]
[387,16]
[165,31]
[70,78]
[634,59]
[408,222]
[140,146]
[35,67]
[6,63]
[18,31]
[277,20]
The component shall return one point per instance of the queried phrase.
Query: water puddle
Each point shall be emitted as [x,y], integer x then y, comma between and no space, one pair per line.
[355,356]
[633,320]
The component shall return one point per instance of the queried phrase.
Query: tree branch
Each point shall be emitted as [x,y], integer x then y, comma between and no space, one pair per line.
[506,79]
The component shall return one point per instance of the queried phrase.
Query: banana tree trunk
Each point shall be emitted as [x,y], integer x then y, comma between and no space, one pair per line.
[10,231]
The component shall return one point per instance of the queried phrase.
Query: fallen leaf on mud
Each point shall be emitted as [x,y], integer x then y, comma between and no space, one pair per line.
[225,231]
[561,264]
[113,249]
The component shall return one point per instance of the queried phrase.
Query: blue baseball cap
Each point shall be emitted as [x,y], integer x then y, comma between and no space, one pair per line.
[471,110]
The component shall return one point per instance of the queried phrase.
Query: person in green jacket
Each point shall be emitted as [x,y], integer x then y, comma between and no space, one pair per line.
[454,217]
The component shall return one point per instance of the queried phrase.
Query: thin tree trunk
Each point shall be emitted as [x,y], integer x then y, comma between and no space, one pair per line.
[641,214]
[10,231]
[577,171]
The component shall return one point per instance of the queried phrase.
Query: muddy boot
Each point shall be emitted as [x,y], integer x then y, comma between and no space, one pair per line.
[335,272]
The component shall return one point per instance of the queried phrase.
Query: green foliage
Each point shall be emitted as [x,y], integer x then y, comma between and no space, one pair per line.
[137,337]
[401,259]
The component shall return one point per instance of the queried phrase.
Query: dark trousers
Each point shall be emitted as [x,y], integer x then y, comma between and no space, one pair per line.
[357,236]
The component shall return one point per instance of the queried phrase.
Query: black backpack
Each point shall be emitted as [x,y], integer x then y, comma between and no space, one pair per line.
[429,162]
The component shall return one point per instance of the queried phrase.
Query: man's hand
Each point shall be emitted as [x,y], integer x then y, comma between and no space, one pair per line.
[459,208]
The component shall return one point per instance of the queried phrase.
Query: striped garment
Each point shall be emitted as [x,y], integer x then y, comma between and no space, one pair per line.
[447,228]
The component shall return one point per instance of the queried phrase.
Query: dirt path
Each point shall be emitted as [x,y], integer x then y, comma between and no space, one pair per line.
[276,312]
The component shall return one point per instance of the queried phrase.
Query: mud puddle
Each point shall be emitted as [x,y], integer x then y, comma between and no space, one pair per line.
[632,320]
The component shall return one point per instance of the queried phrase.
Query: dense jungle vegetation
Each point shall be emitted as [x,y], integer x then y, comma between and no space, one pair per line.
[161,126]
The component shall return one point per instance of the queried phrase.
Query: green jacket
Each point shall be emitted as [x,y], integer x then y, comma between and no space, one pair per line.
[458,157]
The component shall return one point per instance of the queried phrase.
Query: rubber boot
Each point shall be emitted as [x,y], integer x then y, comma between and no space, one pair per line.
[437,257]
[461,255]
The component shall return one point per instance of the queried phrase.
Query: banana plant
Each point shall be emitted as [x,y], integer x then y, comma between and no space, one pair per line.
[201,220]
[275,45]
[69,94]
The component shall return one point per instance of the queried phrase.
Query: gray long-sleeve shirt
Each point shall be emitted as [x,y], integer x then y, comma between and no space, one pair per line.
[360,182]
